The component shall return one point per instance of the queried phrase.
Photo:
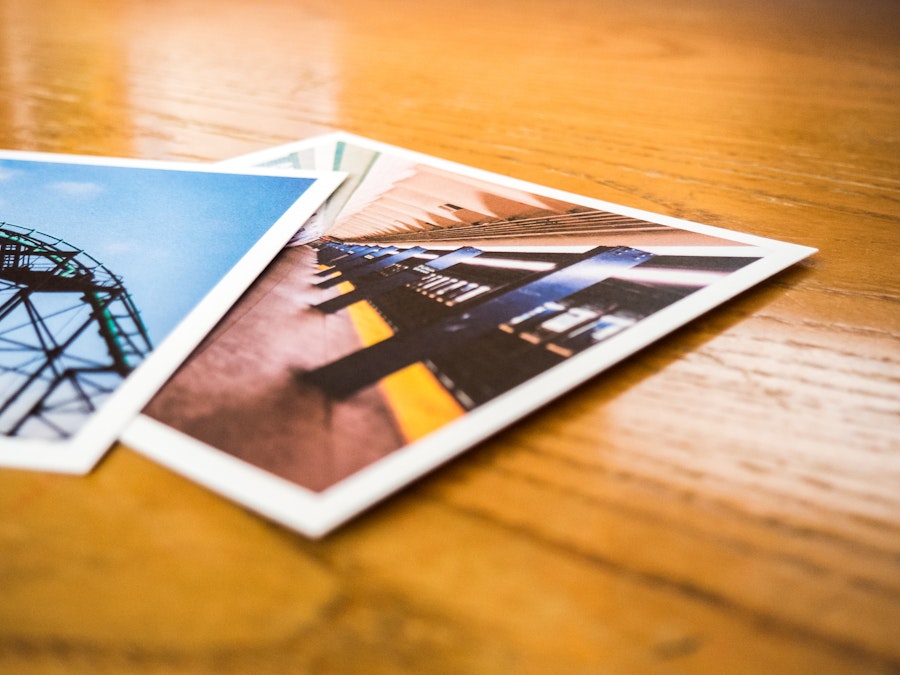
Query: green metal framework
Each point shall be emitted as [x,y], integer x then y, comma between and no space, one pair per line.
[69,333]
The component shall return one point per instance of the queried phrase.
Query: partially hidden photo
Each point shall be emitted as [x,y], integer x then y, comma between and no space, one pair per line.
[111,272]
[424,307]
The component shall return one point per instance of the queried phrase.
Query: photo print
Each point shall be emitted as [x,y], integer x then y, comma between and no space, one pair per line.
[425,306]
[111,271]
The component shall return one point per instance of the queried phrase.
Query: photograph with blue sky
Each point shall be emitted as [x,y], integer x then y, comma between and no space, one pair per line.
[100,262]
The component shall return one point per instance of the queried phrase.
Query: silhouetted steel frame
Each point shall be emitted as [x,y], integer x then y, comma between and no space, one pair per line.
[359,369]
[99,289]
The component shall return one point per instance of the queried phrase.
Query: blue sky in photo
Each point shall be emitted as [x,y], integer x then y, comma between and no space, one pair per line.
[171,235]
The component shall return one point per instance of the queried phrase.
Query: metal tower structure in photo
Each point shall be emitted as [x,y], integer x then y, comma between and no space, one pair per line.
[69,333]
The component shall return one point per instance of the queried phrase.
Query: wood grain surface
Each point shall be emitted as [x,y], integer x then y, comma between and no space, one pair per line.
[726,501]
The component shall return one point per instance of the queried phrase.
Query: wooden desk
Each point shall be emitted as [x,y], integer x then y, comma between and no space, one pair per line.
[728,501]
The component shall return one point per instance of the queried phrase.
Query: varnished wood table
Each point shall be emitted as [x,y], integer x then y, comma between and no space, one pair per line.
[727,501]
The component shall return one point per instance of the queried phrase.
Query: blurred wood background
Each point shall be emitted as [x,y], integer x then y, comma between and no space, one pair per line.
[726,501]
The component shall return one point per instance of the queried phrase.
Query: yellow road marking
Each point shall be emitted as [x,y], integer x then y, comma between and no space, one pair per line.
[419,402]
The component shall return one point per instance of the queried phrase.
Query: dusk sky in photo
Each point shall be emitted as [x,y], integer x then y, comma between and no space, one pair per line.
[171,235]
